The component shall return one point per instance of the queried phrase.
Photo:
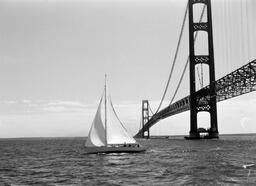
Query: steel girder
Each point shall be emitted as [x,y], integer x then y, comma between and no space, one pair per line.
[239,82]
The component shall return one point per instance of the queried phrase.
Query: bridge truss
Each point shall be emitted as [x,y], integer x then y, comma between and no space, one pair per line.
[238,82]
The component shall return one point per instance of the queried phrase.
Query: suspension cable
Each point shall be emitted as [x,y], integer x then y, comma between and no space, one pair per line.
[175,57]
[150,110]
[184,70]
[183,73]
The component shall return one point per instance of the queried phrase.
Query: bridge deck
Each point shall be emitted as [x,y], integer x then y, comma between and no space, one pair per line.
[238,82]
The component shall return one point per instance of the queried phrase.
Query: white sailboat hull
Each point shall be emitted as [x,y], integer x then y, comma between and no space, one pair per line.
[119,149]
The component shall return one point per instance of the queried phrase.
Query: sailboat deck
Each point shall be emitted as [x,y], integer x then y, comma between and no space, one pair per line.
[116,148]
[96,150]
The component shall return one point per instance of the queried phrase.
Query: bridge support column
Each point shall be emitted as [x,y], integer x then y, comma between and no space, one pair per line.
[145,118]
[204,100]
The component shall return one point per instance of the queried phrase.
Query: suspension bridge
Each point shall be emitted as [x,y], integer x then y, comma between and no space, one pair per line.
[236,83]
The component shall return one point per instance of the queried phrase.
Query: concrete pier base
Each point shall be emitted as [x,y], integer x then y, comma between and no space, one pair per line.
[208,135]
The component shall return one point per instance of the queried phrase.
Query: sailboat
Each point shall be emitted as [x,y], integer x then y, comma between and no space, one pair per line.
[107,133]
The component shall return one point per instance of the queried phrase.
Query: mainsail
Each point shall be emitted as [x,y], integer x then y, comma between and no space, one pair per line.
[96,136]
[115,134]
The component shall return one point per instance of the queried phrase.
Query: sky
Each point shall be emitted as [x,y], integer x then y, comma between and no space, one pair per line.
[54,54]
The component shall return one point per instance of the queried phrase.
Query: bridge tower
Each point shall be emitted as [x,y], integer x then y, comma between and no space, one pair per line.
[145,117]
[203,100]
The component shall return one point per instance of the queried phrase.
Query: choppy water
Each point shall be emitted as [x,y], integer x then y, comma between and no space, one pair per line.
[62,161]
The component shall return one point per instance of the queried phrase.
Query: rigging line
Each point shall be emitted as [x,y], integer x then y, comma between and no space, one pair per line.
[111,104]
[184,70]
[175,57]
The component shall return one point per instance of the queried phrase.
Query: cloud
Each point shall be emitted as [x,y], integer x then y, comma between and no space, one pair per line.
[63,109]
[67,103]
[9,102]
[55,109]
[26,101]
[67,106]
[27,106]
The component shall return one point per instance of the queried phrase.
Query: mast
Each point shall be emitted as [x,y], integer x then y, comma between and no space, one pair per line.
[105,90]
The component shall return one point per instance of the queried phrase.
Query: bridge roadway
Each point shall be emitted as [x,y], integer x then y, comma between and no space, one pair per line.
[238,82]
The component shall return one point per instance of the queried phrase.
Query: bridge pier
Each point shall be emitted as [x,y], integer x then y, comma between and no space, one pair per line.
[148,134]
[197,135]
[193,135]
[203,100]
[213,135]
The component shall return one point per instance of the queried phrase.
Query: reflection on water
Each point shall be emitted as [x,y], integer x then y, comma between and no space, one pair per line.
[63,161]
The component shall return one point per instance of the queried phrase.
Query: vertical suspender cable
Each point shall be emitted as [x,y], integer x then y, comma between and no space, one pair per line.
[202,75]
[242,30]
[200,78]
[248,31]
[226,36]
[230,36]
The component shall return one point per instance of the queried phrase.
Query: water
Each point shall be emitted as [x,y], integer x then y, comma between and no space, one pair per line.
[62,161]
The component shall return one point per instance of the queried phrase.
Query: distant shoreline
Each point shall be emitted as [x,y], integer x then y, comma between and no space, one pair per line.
[38,138]
[182,136]
[152,137]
